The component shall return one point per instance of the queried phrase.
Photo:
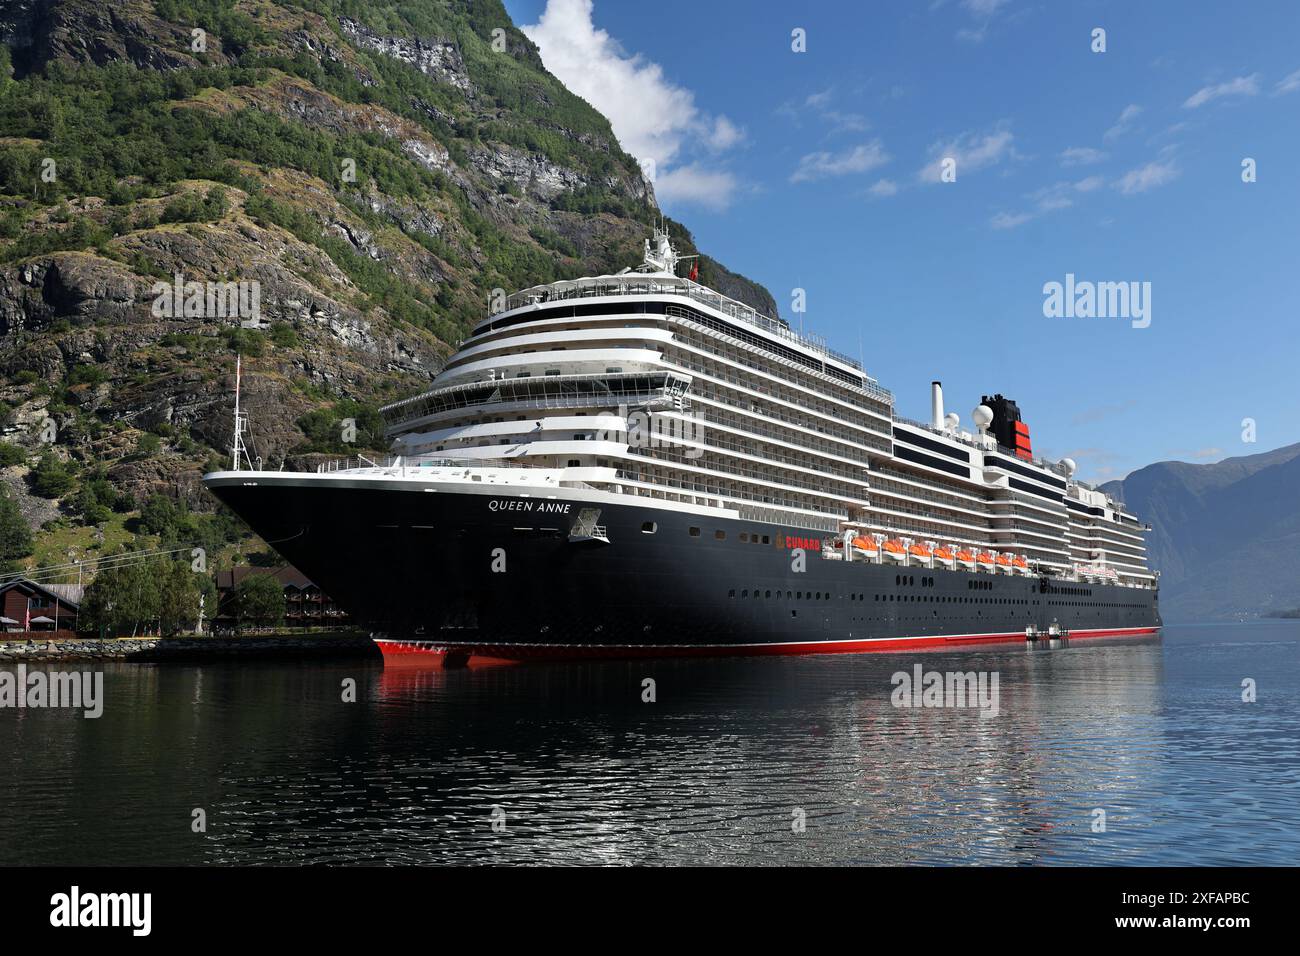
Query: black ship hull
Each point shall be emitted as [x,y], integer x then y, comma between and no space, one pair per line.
[500,573]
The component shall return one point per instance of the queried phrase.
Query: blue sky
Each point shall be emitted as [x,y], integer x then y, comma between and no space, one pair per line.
[817,170]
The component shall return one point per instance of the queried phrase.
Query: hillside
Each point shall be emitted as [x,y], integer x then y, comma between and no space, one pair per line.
[1226,536]
[377,168]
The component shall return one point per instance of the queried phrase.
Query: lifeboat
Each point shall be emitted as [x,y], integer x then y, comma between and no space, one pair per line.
[866,545]
[944,554]
[920,550]
[1020,563]
[1002,560]
[986,558]
[966,558]
[894,548]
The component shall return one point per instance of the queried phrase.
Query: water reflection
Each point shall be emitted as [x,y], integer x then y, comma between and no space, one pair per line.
[714,770]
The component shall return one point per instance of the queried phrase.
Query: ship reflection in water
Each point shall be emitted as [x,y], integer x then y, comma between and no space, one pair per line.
[721,767]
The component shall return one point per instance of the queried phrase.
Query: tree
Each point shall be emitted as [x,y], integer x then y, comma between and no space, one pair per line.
[179,588]
[258,600]
[15,535]
[51,477]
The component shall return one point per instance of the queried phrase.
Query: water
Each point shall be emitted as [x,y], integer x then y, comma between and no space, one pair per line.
[1154,732]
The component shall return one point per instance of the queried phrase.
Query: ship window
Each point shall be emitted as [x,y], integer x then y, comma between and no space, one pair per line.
[767,594]
[524,375]
[766,539]
[745,593]
[744,537]
[720,535]
[695,532]
[614,369]
[574,462]
[731,593]
[552,371]
[649,527]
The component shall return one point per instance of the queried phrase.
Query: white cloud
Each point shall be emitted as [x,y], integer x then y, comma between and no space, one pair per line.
[1082,156]
[1289,83]
[857,159]
[724,135]
[653,118]
[1045,200]
[984,11]
[820,105]
[1009,220]
[1124,123]
[883,188]
[1146,177]
[972,152]
[696,186]
[1240,86]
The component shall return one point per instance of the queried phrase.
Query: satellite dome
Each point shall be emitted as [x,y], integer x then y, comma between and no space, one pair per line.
[982,416]
[952,420]
[1069,465]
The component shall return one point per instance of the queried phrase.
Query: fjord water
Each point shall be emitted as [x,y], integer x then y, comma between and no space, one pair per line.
[1152,731]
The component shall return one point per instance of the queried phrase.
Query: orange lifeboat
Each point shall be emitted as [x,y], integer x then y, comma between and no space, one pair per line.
[1021,563]
[1003,560]
[920,550]
[894,548]
[985,558]
[965,557]
[864,544]
[943,553]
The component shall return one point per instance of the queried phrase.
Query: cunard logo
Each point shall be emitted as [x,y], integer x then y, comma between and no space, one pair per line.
[790,541]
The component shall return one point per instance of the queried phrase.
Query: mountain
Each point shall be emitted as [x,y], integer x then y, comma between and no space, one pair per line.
[1225,537]
[372,169]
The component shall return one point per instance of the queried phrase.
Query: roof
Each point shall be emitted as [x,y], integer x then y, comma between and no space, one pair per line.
[60,592]
[286,574]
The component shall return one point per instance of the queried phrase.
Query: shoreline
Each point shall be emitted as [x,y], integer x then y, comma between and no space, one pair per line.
[152,650]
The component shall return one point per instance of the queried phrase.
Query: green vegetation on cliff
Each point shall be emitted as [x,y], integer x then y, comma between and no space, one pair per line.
[376,167]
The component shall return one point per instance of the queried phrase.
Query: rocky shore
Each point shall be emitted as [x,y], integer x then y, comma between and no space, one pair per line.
[155,649]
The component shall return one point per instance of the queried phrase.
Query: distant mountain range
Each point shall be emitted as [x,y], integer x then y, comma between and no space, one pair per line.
[1226,537]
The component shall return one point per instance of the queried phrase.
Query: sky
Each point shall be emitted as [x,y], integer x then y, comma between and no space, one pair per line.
[1115,158]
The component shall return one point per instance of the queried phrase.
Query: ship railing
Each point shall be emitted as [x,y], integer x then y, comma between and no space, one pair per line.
[640,284]
[868,385]
[776,414]
[395,463]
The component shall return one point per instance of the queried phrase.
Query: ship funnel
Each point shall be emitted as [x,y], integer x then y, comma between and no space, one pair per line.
[936,405]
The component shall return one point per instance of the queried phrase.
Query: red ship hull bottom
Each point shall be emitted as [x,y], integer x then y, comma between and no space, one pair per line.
[450,654]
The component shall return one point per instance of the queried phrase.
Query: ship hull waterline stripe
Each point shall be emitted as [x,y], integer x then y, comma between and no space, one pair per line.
[487,649]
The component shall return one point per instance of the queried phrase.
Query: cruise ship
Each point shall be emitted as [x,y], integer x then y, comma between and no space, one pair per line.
[634,464]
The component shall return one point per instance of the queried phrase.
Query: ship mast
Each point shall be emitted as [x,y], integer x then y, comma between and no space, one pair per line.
[237,444]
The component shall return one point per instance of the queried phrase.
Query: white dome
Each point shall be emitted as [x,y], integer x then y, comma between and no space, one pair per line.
[982,416]
[1069,465]
[952,420]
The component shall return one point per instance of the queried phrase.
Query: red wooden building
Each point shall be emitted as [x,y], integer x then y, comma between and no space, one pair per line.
[38,610]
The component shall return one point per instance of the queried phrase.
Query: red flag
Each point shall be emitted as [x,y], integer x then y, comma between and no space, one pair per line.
[695,270]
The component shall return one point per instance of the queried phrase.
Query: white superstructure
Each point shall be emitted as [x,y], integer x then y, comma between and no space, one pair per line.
[651,385]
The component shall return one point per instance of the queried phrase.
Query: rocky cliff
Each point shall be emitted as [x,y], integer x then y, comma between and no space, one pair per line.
[372,169]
